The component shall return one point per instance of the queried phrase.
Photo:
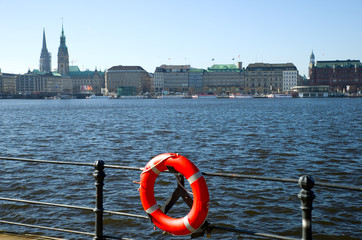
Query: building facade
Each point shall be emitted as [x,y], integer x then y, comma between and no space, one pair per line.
[339,75]
[158,80]
[45,62]
[224,79]
[196,82]
[127,76]
[44,84]
[172,78]
[86,82]
[290,80]
[266,78]
[7,83]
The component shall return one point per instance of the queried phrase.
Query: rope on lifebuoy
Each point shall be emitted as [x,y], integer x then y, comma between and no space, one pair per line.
[200,207]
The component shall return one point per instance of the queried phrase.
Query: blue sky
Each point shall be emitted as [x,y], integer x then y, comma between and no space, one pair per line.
[149,33]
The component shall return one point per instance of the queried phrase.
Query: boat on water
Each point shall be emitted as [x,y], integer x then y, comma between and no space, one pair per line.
[241,96]
[93,96]
[172,96]
[131,97]
[51,98]
[279,95]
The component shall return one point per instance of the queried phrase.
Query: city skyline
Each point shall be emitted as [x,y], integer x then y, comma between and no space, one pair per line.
[152,33]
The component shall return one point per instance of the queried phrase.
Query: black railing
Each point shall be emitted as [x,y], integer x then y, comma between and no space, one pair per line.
[306,196]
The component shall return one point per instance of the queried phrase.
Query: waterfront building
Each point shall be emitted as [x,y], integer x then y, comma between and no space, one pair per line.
[151,76]
[45,63]
[7,83]
[290,80]
[63,56]
[43,84]
[196,80]
[172,78]
[224,79]
[86,82]
[266,78]
[340,75]
[158,80]
[127,76]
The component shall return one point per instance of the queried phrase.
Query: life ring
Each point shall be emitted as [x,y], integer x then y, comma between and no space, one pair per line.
[200,207]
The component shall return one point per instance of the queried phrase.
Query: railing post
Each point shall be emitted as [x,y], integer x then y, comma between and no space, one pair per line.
[99,176]
[306,197]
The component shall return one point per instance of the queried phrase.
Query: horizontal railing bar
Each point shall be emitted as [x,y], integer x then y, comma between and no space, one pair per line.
[69,163]
[47,228]
[126,214]
[291,180]
[71,206]
[47,161]
[268,235]
[334,185]
[123,167]
[231,175]
[47,204]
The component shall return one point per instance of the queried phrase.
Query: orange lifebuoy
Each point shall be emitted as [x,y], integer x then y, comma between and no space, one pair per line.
[200,207]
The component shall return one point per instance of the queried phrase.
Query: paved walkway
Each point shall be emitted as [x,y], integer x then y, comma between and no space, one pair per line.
[14,236]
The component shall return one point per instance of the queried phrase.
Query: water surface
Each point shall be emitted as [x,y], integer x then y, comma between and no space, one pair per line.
[268,137]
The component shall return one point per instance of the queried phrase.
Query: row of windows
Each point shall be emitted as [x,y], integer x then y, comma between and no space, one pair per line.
[260,85]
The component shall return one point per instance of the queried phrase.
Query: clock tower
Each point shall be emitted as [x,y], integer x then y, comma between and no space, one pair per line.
[311,68]
[312,60]
[63,56]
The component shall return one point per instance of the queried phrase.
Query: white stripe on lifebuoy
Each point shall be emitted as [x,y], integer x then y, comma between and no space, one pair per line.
[188,225]
[150,210]
[154,169]
[194,177]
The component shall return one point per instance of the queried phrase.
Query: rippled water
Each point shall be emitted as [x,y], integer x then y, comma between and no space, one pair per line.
[267,137]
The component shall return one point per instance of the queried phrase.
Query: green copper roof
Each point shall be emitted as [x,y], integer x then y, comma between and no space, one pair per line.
[343,63]
[57,74]
[75,72]
[223,68]
[74,69]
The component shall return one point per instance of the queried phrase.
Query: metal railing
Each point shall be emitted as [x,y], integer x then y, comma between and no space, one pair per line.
[306,196]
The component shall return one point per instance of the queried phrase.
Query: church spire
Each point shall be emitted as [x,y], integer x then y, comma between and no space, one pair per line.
[44,41]
[45,57]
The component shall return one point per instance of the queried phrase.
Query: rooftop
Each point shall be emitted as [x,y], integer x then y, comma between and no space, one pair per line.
[253,66]
[338,63]
[120,67]
[75,72]
[164,66]
[223,68]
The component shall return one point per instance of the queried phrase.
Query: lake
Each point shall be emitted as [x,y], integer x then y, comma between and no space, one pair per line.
[283,138]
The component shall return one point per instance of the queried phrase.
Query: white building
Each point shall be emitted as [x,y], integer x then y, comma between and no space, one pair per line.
[158,80]
[290,79]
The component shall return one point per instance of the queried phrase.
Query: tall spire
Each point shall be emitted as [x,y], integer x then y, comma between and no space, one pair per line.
[63,56]
[44,41]
[45,57]
[62,28]
[62,37]
[312,59]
